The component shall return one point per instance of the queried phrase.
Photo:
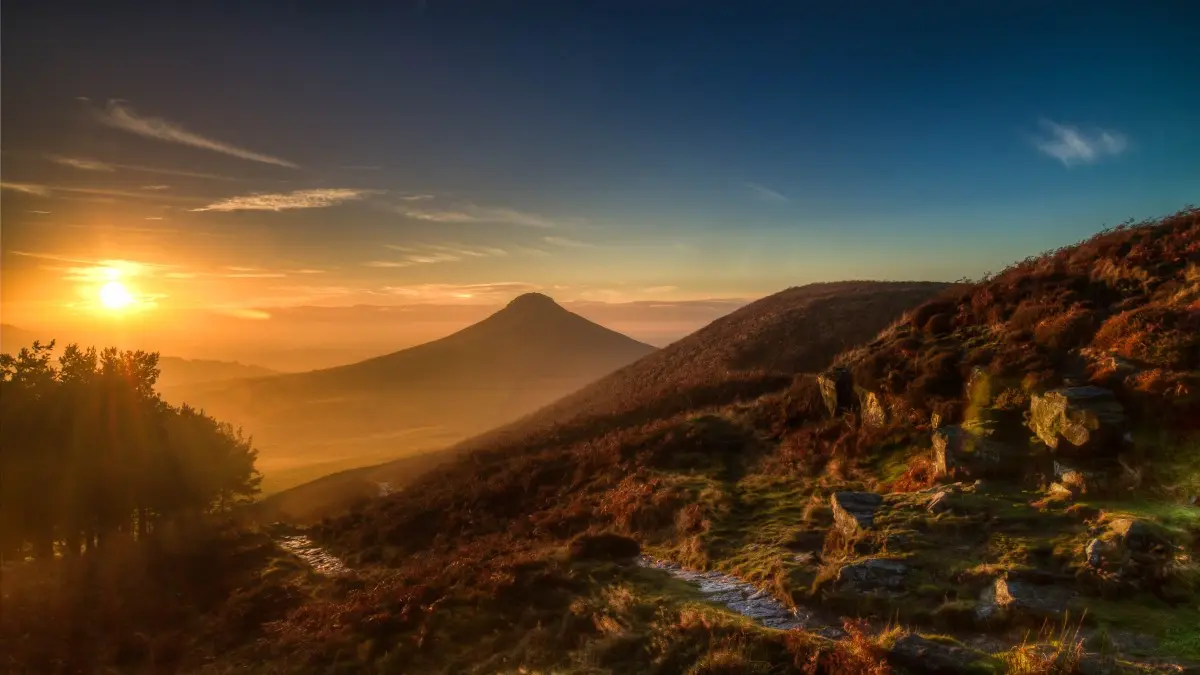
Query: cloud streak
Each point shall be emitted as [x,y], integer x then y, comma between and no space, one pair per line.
[767,193]
[428,254]
[480,214]
[1071,145]
[120,116]
[300,199]
[566,242]
[81,163]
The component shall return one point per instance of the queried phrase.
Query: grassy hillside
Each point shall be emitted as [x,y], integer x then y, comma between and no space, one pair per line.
[738,357]
[426,397]
[1024,517]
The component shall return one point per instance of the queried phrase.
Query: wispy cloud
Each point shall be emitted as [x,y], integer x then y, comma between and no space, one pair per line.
[482,214]
[427,254]
[120,116]
[54,190]
[80,163]
[416,198]
[767,193]
[307,270]
[660,289]
[26,188]
[249,313]
[361,167]
[300,199]
[172,172]
[491,292]
[154,217]
[41,213]
[565,242]
[156,187]
[1072,145]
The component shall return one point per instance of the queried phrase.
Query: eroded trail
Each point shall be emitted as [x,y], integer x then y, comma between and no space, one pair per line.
[746,599]
[316,557]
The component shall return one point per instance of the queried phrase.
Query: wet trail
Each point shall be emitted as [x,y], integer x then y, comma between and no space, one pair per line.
[316,557]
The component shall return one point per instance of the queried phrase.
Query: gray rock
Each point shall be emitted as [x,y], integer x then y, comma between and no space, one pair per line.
[1020,599]
[854,511]
[1095,552]
[1136,536]
[940,503]
[1089,419]
[970,450]
[874,412]
[837,391]
[920,655]
[873,574]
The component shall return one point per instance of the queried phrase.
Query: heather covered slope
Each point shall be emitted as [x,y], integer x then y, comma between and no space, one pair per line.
[738,357]
[317,423]
[1056,483]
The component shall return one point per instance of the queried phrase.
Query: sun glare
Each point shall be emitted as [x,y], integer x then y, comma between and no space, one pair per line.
[114,295]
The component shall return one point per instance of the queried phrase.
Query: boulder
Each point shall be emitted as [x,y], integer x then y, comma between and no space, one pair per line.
[1023,600]
[1129,549]
[854,511]
[969,449]
[1092,478]
[1089,419]
[874,412]
[873,574]
[920,655]
[837,391]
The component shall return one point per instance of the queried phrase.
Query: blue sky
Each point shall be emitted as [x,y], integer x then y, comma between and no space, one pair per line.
[602,151]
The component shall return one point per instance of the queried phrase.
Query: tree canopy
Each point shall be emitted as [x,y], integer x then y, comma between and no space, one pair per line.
[90,450]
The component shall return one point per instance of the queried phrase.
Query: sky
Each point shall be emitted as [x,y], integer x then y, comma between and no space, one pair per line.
[291,172]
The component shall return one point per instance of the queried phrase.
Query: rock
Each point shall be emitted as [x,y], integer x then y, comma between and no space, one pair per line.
[920,655]
[874,413]
[837,391]
[970,450]
[854,511]
[979,388]
[873,574]
[1136,536]
[940,503]
[1095,552]
[1018,599]
[1089,419]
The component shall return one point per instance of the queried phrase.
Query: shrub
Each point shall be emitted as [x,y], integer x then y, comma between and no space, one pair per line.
[603,545]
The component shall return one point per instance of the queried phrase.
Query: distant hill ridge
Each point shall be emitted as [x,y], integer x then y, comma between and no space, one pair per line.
[427,397]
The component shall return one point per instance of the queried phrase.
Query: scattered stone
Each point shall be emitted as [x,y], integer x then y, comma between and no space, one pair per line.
[854,511]
[970,450]
[837,391]
[1020,599]
[940,503]
[1089,418]
[874,413]
[873,574]
[921,655]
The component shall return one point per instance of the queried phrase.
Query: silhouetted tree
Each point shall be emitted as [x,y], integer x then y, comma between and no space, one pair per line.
[91,451]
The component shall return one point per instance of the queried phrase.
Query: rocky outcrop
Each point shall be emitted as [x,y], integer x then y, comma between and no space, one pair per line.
[968,449]
[1022,600]
[837,391]
[1089,419]
[921,655]
[873,575]
[1129,550]
[854,512]
[874,412]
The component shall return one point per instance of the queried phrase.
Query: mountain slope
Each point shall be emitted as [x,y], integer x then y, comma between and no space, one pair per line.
[1058,476]
[753,350]
[316,423]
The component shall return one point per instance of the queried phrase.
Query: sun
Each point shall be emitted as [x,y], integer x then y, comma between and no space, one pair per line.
[114,295]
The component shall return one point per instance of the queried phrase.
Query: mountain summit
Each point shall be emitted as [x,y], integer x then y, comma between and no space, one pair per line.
[524,356]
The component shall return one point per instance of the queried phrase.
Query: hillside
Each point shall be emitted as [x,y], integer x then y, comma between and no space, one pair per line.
[319,422]
[1016,452]
[753,350]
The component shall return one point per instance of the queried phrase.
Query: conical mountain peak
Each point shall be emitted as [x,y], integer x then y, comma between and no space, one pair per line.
[534,302]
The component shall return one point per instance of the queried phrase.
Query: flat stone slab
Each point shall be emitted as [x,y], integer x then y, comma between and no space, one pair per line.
[873,574]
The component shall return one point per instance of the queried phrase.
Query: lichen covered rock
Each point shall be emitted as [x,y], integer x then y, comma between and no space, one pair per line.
[854,511]
[837,391]
[873,574]
[1089,419]
[969,449]
[1023,600]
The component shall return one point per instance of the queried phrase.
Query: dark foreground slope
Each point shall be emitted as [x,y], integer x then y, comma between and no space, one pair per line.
[316,423]
[1086,513]
[754,350]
